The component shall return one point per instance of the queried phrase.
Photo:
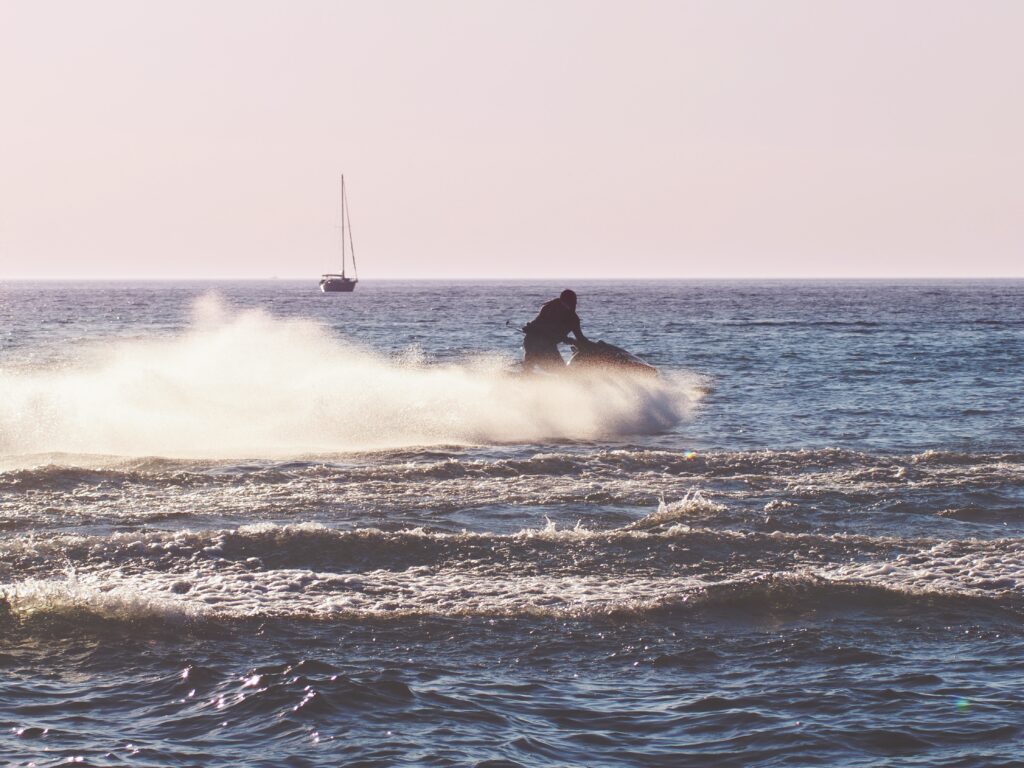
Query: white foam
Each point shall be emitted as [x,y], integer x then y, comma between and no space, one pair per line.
[110,596]
[976,568]
[206,585]
[246,384]
[692,506]
[231,593]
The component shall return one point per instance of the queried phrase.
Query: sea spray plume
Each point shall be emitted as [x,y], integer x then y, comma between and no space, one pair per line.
[242,384]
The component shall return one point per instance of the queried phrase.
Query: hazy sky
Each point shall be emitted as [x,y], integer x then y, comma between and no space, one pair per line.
[533,138]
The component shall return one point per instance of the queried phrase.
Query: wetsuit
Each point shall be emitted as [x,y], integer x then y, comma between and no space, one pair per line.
[543,334]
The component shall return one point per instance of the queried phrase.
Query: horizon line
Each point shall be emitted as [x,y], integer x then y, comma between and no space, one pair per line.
[470,278]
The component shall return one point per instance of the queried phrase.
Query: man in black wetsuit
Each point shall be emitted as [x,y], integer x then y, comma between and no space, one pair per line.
[551,327]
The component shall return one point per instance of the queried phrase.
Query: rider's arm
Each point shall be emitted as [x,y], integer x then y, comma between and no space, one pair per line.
[576,328]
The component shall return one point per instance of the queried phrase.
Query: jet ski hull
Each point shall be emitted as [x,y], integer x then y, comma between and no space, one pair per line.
[602,356]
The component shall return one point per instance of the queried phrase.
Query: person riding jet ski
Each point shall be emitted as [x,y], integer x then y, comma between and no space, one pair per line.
[552,325]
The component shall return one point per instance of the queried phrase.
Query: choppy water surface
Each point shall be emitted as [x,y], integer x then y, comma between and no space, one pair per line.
[252,524]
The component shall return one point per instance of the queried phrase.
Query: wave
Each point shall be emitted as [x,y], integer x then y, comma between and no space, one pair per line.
[247,384]
[83,605]
[692,506]
[308,572]
[62,472]
[810,490]
[663,540]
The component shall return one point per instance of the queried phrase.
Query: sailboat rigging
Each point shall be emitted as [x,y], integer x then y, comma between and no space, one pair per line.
[333,283]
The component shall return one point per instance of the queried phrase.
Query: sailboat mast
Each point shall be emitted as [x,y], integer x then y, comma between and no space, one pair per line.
[343,225]
[351,245]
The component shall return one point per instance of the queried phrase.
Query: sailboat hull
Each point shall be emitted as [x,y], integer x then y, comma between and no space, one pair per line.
[336,284]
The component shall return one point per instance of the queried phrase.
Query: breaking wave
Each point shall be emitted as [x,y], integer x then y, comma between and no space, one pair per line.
[86,602]
[62,472]
[247,384]
[314,573]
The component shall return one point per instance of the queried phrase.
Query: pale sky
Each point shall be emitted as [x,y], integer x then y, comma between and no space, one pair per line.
[525,139]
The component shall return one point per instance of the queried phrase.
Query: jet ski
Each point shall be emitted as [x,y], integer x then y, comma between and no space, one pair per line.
[601,356]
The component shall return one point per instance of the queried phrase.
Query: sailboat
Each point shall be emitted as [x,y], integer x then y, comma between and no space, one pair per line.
[341,283]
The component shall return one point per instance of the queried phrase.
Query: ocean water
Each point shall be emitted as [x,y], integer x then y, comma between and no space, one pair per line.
[250,524]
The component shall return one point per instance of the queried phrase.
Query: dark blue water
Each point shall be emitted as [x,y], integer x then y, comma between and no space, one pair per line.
[252,524]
